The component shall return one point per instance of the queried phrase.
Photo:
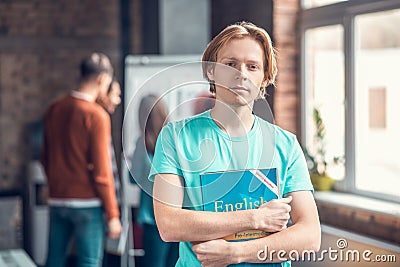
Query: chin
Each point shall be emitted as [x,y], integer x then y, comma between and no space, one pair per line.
[238,103]
[243,100]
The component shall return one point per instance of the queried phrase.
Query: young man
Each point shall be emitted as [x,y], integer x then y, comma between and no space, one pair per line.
[76,158]
[239,63]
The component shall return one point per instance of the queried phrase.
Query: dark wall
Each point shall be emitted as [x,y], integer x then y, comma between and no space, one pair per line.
[259,12]
[225,12]
[150,27]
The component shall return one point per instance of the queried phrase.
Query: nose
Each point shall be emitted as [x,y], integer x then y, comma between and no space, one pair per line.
[240,72]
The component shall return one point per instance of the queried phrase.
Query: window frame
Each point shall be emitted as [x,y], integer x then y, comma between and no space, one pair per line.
[342,13]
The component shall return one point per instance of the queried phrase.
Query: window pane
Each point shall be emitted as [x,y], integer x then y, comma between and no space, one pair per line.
[377,108]
[316,3]
[324,82]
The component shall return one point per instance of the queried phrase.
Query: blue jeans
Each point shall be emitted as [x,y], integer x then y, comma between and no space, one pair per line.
[86,225]
[158,253]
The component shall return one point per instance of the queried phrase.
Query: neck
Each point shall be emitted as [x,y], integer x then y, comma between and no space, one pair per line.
[235,121]
[90,89]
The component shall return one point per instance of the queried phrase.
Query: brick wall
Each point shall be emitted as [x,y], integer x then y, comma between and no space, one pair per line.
[287,93]
[41,45]
[378,225]
[136,26]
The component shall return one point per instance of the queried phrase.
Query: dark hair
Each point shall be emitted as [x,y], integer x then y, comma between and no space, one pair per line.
[94,65]
[111,85]
[153,116]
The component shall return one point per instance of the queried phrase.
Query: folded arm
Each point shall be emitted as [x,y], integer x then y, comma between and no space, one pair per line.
[304,234]
[178,224]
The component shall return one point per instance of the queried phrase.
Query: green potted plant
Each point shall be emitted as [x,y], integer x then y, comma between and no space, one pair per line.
[317,162]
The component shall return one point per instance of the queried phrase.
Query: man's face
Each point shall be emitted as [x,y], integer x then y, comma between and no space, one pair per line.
[112,99]
[104,80]
[239,72]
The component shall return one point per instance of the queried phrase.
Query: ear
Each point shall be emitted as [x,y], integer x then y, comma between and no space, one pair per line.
[265,83]
[103,81]
[102,78]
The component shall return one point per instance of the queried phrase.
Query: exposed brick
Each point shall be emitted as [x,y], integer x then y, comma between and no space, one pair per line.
[383,219]
[32,76]
[345,212]
[136,29]
[286,106]
[381,226]
[363,216]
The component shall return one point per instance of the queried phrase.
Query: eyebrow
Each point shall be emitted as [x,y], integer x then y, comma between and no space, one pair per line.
[251,61]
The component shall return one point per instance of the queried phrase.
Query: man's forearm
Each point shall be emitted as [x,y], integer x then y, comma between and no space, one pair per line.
[176,224]
[304,234]
[276,247]
[106,193]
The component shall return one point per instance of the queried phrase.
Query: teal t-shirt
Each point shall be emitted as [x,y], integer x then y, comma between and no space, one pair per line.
[197,145]
[141,162]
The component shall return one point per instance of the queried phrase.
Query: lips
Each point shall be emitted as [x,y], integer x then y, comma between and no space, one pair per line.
[238,88]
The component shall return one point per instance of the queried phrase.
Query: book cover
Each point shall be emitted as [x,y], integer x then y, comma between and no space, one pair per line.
[239,190]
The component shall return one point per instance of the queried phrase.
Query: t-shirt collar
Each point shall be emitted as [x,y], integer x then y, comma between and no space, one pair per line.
[246,137]
[82,96]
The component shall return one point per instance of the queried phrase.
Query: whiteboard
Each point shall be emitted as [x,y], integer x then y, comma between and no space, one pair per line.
[178,80]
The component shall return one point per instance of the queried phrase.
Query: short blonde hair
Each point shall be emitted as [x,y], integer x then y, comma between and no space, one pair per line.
[238,31]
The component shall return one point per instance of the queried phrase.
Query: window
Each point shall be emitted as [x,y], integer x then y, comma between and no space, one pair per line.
[316,3]
[377,107]
[324,82]
[350,73]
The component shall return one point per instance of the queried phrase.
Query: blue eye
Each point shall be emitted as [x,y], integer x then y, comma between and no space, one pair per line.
[253,67]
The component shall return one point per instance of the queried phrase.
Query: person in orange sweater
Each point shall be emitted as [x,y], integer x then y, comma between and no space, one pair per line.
[76,159]
[110,102]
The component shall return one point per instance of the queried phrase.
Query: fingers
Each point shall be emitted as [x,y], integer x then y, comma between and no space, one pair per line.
[113,235]
[196,248]
[114,228]
[274,215]
[285,200]
[212,253]
[281,204]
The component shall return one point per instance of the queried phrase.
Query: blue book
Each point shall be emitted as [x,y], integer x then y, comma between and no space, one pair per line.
[240,190]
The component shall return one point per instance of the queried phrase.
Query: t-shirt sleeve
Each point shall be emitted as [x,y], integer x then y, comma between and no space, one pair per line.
[297,176]
[165,158]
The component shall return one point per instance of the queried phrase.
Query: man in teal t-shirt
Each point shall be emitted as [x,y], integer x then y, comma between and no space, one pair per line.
[239,63]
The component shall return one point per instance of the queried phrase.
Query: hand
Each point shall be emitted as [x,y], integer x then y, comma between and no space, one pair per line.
[114,228]
[214,253]
[273,216]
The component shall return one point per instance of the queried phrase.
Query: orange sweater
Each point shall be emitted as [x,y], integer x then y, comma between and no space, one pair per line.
[76,152]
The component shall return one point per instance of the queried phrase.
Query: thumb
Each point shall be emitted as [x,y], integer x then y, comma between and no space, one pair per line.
[286,200]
